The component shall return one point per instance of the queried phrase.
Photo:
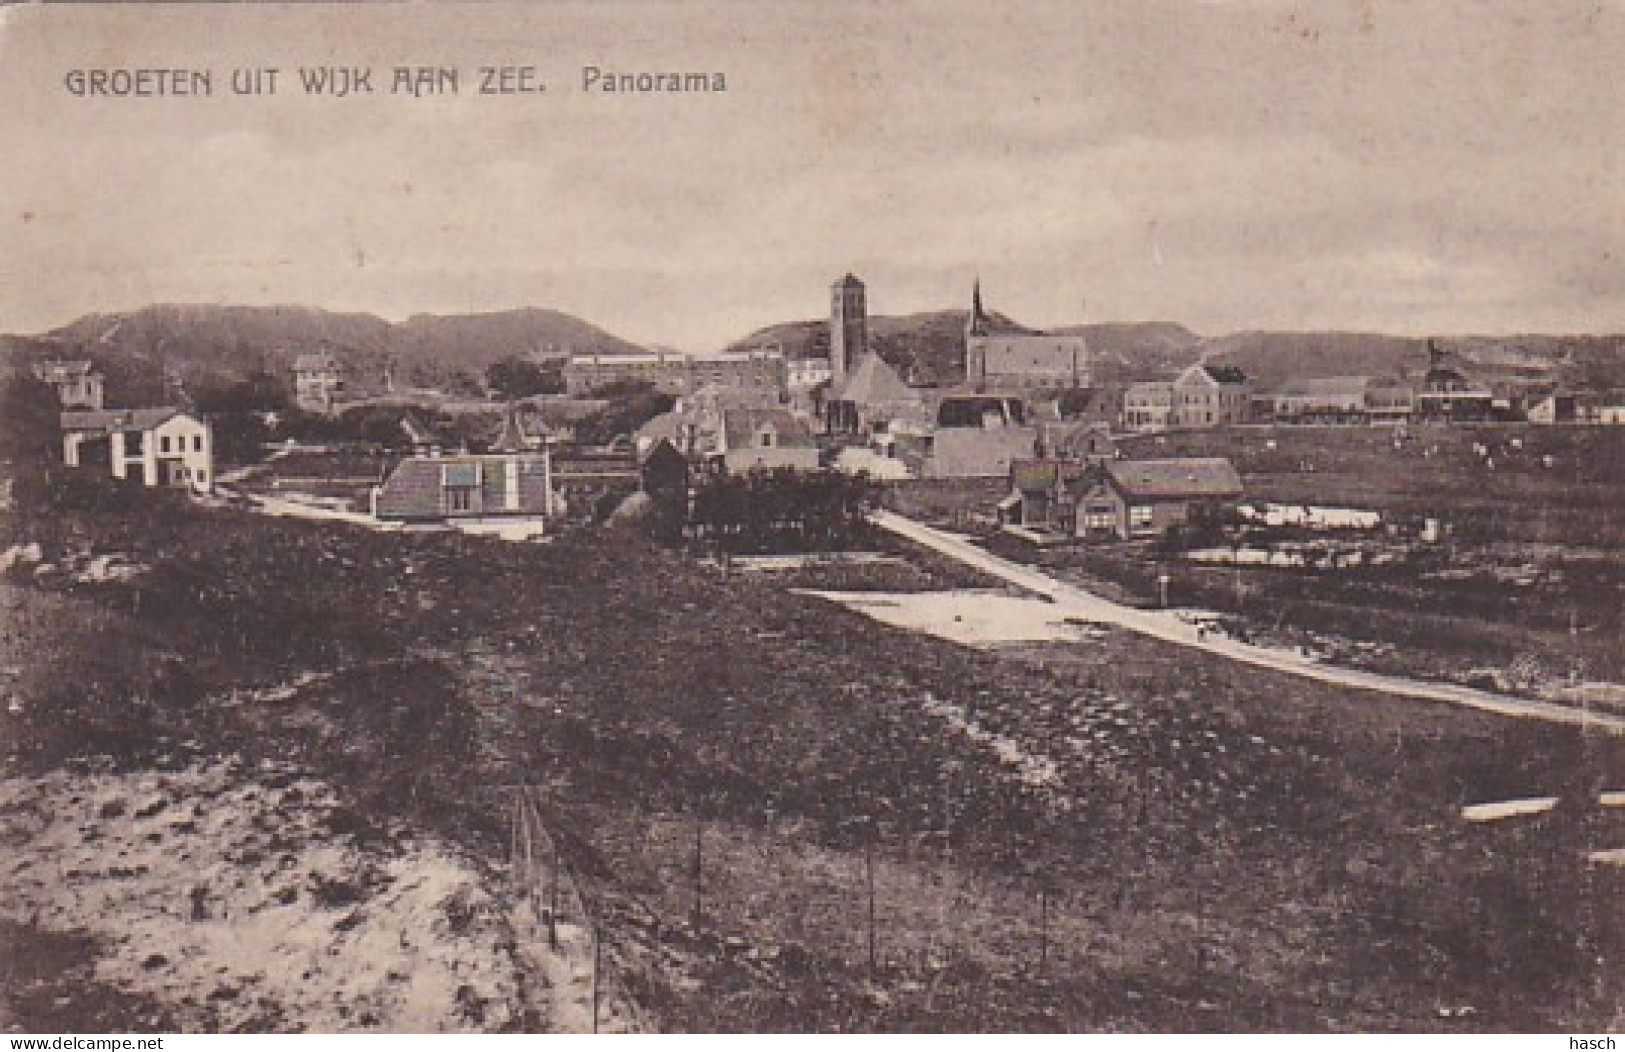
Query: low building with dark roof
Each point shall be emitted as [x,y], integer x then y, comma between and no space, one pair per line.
[1121,499]
[469,489]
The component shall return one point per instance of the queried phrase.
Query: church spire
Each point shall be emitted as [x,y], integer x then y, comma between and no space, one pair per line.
[977,324]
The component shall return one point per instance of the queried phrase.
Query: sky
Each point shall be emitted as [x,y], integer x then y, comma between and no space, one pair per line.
[1406,167]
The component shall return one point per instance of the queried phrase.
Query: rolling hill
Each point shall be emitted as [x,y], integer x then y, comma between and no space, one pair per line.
[204,342]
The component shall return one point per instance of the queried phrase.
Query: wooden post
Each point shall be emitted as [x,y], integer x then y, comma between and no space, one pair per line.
[513,838]
[869,874]
[699,863]
[597,953]
[1043,928]
[530,849]
[1201,932]
[553,901]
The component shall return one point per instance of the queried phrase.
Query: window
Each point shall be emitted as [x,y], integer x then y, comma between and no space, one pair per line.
[1139,515]
[764,440]
[163,444]
[1099,517]
[459,498]
[197,443]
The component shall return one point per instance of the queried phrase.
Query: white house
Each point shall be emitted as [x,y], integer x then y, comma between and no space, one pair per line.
[162,447]
[78,384]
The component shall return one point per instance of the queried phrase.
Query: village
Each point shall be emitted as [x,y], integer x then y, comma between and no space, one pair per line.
[1198,491]
[1003,615]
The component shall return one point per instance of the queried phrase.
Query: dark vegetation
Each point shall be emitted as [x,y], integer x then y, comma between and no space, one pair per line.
[515,377]
[629,405]
[1215,847]
[780,510]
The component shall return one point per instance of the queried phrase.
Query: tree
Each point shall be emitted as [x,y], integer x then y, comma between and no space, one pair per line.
[631,404]
[30,421]
[515,377]
[237,411]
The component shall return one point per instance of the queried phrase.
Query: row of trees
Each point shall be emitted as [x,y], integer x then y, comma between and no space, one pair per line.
[780,510]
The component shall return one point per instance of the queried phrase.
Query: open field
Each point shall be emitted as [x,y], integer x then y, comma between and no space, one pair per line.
[1108,834]
[1508,495]
[1525,594]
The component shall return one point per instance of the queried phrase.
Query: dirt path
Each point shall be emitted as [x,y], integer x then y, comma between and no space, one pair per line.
[1166,625]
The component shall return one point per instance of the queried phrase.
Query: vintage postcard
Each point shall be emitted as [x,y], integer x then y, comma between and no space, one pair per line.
[849,516]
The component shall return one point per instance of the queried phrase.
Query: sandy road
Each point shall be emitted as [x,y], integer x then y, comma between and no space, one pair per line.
[1072,601]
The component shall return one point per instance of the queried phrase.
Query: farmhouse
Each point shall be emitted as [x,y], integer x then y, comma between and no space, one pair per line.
[1121,499]
[160,446]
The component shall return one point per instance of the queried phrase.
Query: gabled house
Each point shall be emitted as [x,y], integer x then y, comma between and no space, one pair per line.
[664,472]
[1211,396]
[1122,499]
[162,446]
[318,382]
[765,438]
[468,489]
[870,395]
[78,384]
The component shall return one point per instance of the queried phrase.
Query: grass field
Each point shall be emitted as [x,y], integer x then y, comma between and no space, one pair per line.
[1202,847]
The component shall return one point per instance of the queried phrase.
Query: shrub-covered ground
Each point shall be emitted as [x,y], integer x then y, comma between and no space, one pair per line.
[1110,835]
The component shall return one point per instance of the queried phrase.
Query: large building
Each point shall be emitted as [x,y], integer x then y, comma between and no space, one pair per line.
[1342,400]
[1025,361]
[160,447]
[1211,396]
[676,374]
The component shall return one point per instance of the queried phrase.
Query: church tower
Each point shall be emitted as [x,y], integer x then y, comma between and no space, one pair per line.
[976,331]
[848,327]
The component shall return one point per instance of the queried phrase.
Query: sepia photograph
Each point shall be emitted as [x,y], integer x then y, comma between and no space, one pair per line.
[839,517]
